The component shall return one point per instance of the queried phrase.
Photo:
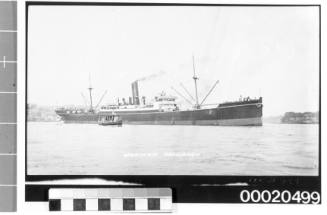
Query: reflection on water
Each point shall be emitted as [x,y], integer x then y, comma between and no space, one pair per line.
[87,149]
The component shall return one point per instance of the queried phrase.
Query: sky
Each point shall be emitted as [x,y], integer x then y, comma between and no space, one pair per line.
[271,52]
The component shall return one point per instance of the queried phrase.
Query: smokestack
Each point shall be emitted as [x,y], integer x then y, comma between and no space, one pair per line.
[135,93]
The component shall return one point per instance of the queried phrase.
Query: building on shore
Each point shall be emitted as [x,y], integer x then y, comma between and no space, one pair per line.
[300,118]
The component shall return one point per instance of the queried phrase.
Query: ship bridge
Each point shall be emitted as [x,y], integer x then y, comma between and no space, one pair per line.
[166,102]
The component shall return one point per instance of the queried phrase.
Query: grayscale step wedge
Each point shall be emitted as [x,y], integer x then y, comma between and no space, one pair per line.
[111,199]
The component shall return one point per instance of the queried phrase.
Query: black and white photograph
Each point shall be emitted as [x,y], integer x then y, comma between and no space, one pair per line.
[173,90]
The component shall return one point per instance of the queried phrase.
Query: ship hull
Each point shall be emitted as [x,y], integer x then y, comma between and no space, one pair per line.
[86,118]
[233,115]
[231,122]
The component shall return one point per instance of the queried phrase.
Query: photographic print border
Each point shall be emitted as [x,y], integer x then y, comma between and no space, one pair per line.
[186,188]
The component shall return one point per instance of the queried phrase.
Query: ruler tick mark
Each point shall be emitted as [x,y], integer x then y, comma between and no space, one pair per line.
[4,61]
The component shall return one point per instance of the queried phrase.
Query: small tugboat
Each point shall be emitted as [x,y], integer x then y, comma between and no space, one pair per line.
[110,120]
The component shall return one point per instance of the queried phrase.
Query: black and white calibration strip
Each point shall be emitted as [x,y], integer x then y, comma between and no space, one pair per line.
[111,199]
[8,98]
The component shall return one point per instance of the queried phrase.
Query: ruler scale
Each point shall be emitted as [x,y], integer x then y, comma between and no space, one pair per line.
[8,98]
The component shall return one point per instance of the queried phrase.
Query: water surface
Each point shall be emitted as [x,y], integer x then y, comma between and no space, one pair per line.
[89,149]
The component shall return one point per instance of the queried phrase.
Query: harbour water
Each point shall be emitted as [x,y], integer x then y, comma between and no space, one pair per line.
[55,148]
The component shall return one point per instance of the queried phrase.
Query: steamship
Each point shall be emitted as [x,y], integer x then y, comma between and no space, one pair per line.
[165,111]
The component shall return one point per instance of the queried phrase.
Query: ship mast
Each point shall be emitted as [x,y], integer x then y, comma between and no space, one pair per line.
[196,87]
[90,90]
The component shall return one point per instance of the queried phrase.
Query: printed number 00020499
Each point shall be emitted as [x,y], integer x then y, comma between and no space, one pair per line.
[276,196]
